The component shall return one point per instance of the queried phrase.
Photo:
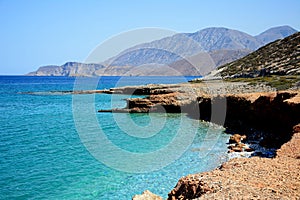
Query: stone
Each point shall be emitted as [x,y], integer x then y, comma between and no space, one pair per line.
[189,187]
[236,138]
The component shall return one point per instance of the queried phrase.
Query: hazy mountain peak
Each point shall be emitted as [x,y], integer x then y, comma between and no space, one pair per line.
[217,38]
[275,33]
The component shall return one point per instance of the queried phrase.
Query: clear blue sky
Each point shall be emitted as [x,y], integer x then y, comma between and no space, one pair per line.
[43,32]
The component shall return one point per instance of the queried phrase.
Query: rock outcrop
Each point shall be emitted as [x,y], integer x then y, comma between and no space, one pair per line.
[236,139]
[190,187]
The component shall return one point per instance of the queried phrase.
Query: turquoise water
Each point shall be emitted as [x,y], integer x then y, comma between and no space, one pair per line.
[44,155]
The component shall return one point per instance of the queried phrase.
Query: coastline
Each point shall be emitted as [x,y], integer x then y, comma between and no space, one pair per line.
[248,178]
[267,117]
[259,112]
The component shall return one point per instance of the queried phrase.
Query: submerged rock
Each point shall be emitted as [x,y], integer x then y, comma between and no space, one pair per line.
[146,195]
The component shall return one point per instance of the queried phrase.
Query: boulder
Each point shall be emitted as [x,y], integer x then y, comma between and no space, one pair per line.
[239,147]
[236,138]
[189,187]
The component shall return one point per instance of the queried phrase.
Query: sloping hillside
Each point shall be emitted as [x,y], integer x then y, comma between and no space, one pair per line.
[281,57]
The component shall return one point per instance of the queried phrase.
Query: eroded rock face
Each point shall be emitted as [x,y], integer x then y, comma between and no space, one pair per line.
[292,148]
[270,113]
[147,195]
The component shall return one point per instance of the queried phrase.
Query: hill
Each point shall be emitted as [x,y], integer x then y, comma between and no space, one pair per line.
[69,69]
[281,57]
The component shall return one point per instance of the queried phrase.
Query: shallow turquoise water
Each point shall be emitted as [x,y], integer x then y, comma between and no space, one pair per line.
[43,155]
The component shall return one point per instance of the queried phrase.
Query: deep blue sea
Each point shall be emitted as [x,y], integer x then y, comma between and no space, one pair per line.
[56,146]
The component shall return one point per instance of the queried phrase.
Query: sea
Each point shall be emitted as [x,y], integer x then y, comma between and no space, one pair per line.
[55,145]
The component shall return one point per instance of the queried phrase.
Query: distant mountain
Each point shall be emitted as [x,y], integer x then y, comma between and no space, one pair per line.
[277,58]
[182,45]
[201,63]
[69,69]
[179,46]
[276,33]
[211,39]
[181,54]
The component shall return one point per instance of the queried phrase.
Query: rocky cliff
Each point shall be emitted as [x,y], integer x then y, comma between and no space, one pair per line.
[272,113]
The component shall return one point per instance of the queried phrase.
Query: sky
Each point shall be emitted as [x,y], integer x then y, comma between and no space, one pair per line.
[51,32]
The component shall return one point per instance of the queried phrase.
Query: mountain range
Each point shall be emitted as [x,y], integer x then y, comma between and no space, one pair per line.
[181,54]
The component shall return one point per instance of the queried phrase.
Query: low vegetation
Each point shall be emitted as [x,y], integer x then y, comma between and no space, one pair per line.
[278,82]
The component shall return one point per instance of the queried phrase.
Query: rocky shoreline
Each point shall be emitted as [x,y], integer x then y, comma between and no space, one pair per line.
[248,178]
[266,117]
